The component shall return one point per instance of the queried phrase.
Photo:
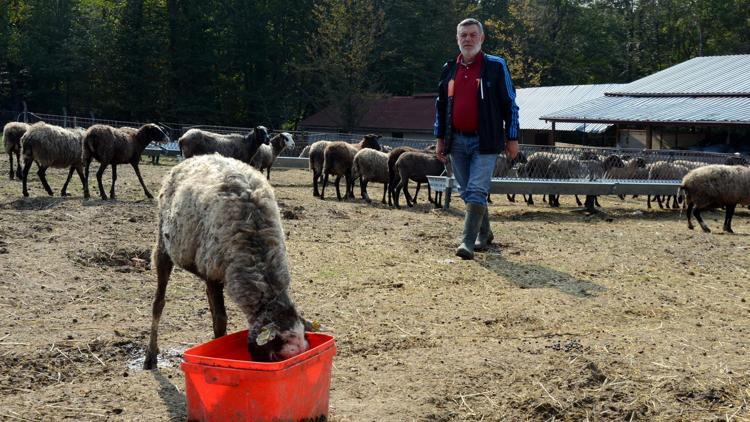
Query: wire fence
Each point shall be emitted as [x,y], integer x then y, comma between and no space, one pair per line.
[536,162]
[175,130]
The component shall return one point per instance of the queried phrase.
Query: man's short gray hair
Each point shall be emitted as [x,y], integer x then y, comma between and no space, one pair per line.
[470,21]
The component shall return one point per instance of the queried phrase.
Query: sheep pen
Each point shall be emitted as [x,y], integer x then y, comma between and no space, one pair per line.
[617,316]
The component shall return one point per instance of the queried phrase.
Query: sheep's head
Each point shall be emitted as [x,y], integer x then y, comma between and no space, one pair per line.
[278,333]
[260,135]
[588,155]
[282,141]
[371,141]
[520,158]
[613,161]
[638,162]
[152,133]
[736,160]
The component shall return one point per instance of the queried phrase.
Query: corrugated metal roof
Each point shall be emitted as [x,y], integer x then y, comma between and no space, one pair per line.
[535,102]
[697,110]
[709,76]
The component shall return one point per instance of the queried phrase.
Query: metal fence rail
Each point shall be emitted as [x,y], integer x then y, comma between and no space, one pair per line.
[592,171]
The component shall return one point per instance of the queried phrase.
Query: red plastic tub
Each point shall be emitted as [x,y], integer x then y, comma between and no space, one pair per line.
[223,384]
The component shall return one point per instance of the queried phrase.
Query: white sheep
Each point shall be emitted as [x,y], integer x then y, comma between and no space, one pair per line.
[715,186]
[56,147]
[12,133]
[371,166]
[316,154]
[266,155]
[219,220]
[664,170]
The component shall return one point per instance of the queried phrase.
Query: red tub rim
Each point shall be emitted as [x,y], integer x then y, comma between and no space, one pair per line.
[195,354]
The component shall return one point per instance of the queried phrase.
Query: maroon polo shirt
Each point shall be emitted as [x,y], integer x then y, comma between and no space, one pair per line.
[465,92]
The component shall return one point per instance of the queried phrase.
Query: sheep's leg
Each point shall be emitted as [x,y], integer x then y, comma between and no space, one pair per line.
[430,196]
[596,201]
[323,188]
[26,168]
[268,174]
[397,193]
[18,164]
[416,193]
[215,293]
[338,192]
[363,190]
[728,218]
[385,192]
[42,173]
[64,190]
[511,198]
[87,164]
[660,200]
[316,178]
[85,185]
[697,214]
[409,199]
[10,158]
[392,184]
[99,175]
[578,201]
[675,203]
[690,215]
[163,264]
[140,179]
[114,178]
[349,185]
[648,201]
[530,200]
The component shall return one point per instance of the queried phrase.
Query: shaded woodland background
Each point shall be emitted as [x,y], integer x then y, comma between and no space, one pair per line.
[275,62]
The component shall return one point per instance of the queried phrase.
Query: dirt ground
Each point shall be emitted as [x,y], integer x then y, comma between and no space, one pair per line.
[622,316]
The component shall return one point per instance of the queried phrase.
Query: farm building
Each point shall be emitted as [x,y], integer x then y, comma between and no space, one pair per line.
[413,116]
[703,103]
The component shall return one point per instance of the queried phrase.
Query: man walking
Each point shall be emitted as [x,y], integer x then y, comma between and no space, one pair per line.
[476,118]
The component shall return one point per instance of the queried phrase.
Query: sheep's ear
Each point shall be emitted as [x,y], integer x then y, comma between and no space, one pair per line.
[314,326]
[267,333]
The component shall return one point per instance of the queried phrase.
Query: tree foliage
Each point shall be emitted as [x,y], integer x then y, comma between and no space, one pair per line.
[274,62]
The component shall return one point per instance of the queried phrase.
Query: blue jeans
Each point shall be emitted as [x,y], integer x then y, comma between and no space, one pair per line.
[472,170]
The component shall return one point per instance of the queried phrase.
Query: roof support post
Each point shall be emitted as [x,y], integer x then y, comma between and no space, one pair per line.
[553,133]
[649,137]
[617,135]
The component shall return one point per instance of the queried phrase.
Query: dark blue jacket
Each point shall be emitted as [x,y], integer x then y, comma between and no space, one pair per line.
[498,112]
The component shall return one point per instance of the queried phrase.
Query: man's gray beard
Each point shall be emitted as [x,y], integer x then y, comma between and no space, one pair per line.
[472,52]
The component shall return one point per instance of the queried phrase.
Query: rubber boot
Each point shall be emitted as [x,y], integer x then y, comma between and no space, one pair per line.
[485,237]
[472,222]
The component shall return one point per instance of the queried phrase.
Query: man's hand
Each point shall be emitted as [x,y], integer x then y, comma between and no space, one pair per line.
[511,149]
[440,150]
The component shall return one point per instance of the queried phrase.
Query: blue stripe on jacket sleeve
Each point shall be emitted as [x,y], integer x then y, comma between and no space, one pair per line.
[513,125]
[436,123]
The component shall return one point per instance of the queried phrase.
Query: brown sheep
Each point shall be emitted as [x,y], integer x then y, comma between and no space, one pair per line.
[338,159]
[109,145]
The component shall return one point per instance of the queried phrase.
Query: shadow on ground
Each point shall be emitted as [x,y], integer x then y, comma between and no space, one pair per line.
[172,397]
[535,276]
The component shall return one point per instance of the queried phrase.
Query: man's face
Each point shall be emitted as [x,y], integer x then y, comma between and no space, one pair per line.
[469,40]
